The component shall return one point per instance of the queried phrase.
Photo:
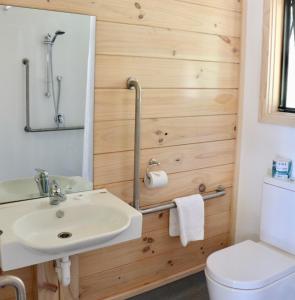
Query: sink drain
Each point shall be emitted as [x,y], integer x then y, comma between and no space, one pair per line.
[64,235]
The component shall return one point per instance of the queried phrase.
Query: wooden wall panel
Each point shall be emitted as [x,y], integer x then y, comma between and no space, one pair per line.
[148,270]
[118,166]
[123,39]
[180,184]
[185,53]
[118,104]
[234,5]
[115,136]
[168,13]
[112,71]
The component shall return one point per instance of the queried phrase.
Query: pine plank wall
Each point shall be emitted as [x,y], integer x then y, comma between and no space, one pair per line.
[186,55]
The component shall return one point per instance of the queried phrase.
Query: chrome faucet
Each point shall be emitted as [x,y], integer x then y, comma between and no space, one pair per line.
[42,181]
[55,194]
[16,283]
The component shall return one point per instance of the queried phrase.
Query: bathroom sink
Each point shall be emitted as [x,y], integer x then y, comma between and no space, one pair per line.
[26,188]
[35,232]
[81,226]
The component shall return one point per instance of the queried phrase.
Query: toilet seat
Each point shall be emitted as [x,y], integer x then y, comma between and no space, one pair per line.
[249,265]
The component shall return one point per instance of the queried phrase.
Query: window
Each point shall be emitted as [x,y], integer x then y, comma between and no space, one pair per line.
[287,97]
[277,103]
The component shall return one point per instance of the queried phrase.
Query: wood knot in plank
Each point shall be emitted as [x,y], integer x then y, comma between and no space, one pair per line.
[225,39]
[170,262]
[150,240]
[146,249]
[137,5]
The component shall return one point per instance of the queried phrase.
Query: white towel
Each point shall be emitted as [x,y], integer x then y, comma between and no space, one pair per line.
[187,219]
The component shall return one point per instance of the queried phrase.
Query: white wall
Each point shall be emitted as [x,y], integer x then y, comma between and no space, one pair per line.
[22,33]
[260,143]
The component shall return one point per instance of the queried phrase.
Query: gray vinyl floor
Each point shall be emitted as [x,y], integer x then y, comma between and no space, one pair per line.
[191,288]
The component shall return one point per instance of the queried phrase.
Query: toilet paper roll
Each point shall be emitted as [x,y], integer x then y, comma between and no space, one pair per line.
[156,179]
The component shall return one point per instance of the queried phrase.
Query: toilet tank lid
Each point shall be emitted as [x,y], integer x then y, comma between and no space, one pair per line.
[288,184]
[249,265]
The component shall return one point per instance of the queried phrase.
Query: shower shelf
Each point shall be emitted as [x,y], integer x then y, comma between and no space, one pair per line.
[28,127]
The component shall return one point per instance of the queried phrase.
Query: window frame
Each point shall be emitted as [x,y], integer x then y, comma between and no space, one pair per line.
[271,68]
[285,60]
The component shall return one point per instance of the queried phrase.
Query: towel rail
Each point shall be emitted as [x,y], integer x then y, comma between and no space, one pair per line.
[220,191]
[132,83]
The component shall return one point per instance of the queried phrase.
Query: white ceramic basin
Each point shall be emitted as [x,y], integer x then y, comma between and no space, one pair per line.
[35,232]
[26,188]
[81,226]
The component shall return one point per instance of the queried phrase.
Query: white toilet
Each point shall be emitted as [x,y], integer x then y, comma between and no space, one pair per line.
[263,270]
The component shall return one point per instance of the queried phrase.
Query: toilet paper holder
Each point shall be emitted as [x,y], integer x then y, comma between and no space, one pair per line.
[151,163]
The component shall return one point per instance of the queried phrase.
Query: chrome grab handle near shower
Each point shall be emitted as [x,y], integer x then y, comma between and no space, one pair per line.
[15,282]
[132,83]
[28,127]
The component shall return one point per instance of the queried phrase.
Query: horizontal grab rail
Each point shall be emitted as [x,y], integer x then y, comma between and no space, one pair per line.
[29,129]
[220,191]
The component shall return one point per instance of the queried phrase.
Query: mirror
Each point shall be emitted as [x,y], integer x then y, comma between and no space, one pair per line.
[46,96]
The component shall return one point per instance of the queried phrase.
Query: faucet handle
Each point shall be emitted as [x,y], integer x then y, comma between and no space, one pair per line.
[41,172]
[55,194]
[55,188]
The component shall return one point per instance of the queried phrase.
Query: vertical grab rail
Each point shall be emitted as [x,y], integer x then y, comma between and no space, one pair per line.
[16,283]
[132,83]
[26,62]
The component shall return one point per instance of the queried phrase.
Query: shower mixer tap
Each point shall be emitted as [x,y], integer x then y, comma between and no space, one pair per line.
[49,41]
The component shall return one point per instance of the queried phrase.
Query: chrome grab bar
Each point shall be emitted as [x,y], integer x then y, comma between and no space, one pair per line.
[28,127]
[220,191]
[15,282]
[132,83]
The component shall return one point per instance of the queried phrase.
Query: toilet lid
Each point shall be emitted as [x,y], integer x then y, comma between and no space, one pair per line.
[249,265]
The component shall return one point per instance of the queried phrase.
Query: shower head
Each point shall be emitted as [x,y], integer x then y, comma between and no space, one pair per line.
[59,32]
